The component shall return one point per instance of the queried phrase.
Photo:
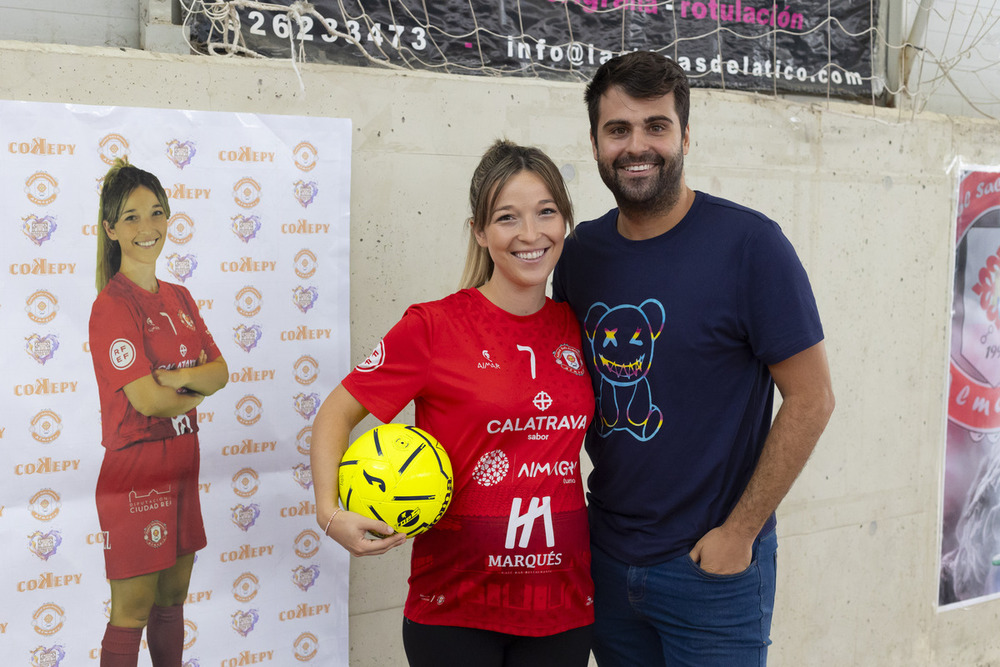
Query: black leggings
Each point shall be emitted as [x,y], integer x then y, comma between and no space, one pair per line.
[451,646]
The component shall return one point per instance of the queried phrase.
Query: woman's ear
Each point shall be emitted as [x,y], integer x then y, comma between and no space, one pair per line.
[110,230]
[479,234]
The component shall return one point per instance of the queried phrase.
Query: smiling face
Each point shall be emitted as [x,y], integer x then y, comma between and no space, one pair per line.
[524,234]
[639,146]
[140,231]
[623,345]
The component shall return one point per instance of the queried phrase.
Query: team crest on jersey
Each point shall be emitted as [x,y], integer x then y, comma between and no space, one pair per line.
[569,359]
[304,297]
[41,348]
[247,337]
[245,227]
[186,319]
[44,545]
[38,230]
[305,192]
[245,516]
[180,152]
[245,621]
[306,404]
[305,577]
[155,534]
[181,266]
[48,657]
[374,360]
[303,475]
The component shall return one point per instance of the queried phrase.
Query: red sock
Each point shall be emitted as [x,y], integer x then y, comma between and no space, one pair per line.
[165,635]
[120,646]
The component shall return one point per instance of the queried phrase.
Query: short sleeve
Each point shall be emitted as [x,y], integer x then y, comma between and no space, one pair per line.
[396,371]
[116,343]
[778,308]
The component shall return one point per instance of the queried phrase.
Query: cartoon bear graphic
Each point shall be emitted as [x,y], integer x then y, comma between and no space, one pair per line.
[621,343]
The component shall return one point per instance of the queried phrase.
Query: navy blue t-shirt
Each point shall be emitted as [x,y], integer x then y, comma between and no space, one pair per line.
[678,333]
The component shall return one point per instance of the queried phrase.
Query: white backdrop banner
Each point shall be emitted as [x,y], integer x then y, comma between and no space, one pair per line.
[970,512]
[259,233]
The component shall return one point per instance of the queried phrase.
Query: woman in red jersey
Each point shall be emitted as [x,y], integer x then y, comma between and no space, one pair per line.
[496,375]
[155,362]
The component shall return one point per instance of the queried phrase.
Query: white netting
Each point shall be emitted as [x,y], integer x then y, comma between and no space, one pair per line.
[906,52]
[958,57]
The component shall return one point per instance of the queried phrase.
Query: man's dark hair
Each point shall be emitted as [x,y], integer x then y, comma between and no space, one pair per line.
[643,75]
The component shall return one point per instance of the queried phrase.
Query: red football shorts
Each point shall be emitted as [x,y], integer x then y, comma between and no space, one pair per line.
[148,505]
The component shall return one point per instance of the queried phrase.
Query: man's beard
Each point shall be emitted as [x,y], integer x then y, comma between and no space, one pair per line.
[654,195]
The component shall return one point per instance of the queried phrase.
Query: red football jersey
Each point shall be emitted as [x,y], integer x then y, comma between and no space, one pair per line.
[133,332]
[509,399]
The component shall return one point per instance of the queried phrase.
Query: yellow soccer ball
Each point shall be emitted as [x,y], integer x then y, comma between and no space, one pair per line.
[399,474]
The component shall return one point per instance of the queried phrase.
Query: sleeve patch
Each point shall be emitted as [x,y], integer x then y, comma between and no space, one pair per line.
[374,360]
[122,353]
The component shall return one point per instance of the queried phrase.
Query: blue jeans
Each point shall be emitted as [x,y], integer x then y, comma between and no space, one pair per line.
[674,613]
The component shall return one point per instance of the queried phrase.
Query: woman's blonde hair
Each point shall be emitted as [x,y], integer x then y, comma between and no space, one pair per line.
[499,164]
[116,188]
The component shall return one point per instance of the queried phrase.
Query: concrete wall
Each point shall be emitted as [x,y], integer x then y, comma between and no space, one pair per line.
[79,22]
[866,200]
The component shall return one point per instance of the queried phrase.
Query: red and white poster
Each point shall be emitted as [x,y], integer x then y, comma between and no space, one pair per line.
[970,517]
[259,234]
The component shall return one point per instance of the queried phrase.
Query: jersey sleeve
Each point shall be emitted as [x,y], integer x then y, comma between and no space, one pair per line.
[778,307]
[116,343]
[397,371]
